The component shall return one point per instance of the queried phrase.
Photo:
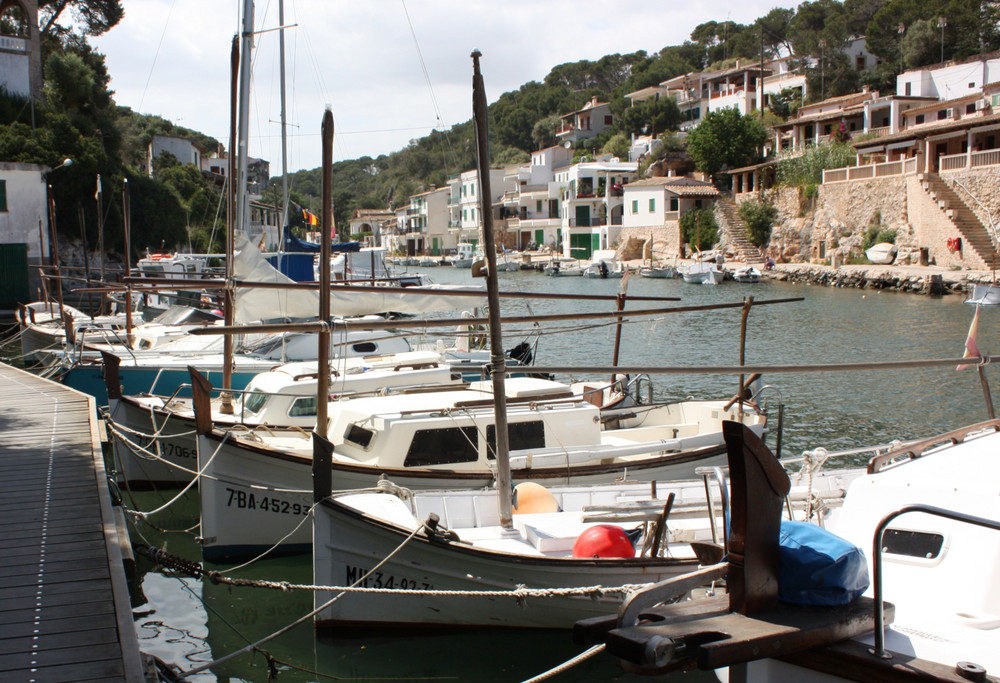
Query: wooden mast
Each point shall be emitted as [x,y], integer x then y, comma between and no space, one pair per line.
[498,362]
[323,354]
[229,303]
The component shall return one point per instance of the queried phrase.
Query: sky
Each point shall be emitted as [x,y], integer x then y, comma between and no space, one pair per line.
[390,70]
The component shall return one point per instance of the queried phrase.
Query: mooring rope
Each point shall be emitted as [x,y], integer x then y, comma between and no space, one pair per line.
[568,664]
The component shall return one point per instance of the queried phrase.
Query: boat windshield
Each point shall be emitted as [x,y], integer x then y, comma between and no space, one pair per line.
[255,401]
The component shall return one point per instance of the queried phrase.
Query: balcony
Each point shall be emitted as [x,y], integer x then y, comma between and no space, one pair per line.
[957,162]
[870,171]
[12,44]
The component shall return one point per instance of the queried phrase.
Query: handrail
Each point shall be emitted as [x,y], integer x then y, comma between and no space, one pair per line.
[879,646]
[993,228]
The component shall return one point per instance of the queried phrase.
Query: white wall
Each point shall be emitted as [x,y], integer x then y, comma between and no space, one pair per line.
[14,72]
[25,207]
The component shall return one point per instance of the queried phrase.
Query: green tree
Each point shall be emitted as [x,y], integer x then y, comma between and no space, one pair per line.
[725,139]
[543,133]
[921,45]
[95,16]
[617,146]
[759,217]
[654,115]
[699,229]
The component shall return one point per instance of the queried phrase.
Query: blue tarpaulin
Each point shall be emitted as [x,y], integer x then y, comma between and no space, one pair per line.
[818,567]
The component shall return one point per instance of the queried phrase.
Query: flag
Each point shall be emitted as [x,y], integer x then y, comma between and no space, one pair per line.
[309,218]
[971,348]
[97,195]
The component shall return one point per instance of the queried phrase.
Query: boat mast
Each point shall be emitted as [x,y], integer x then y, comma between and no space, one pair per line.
[229,301]
[246,38]
[284,130]
[498,362]
[323,353]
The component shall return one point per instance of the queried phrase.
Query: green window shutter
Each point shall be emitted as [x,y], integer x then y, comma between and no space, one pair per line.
[652,204]
[3,195]
[635,206]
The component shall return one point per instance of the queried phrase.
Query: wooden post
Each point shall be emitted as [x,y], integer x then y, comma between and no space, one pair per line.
[986,392]
[323,354]
[127,218]
[743,348]
[229,304]
[86,256]
[498,362]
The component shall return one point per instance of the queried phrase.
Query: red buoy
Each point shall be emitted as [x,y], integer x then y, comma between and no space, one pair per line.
[603,540]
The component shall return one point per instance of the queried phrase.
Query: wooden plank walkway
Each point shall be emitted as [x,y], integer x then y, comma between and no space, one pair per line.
[64,603]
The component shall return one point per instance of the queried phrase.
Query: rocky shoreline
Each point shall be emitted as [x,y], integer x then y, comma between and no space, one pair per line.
[928,280]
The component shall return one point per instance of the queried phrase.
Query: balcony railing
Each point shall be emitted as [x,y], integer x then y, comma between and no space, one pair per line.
[867,172]
[957,162]
[878,132]
[12,44]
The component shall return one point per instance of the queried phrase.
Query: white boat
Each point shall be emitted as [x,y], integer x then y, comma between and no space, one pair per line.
[464,255]
[451,541]
[925,516]
[882,253]
[153,435]
[703,272]
[746,274]
[559,268]
[987,295]
[605,269]
[667,272]
[444,439]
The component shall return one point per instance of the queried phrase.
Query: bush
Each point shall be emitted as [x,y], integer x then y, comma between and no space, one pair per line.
[759,216]
[699,229]
[807,168]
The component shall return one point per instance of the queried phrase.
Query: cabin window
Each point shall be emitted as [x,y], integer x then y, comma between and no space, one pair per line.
[521,435]
[254,401]
[303,407]
[364,347]
[442,447]
[912,543]
[359,435]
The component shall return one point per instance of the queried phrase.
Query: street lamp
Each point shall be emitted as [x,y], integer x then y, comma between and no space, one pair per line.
[942,22]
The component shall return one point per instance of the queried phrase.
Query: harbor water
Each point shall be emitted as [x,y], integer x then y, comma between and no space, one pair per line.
[188,622]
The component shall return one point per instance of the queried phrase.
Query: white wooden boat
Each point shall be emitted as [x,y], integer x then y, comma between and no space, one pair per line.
[747,274]
[925,516]
[987,295]
[465,549]
[153,436]
[702,272]
[882,253]
[443,439]
[666,272]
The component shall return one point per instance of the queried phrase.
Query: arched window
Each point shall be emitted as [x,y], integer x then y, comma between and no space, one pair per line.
[13,19]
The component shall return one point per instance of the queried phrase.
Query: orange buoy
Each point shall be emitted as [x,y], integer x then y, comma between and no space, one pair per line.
[531,497]
[603,540]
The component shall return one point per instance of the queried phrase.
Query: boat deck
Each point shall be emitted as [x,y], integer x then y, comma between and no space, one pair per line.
[64,602]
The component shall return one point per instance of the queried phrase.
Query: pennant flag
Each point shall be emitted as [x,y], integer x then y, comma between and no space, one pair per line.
[971,348]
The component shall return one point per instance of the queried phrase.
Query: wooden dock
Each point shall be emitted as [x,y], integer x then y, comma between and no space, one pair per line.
[64,602]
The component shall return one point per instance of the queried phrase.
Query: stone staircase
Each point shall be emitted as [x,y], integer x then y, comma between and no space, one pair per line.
[975,235]
[734,231]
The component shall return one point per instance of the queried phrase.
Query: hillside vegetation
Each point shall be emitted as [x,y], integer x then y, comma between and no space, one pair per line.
[81,120]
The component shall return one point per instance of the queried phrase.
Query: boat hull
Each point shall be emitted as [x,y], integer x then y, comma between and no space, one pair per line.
[349,543]
[239,474]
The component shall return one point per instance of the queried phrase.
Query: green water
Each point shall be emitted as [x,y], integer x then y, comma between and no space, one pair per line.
[188,622]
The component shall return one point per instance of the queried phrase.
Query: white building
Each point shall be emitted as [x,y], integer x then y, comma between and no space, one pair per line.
[592,204]
[463,202]
[20,48]
[587,122]
[532,199]
[427,223]
[24,229]
[951,80]
[654,202]
[185,151]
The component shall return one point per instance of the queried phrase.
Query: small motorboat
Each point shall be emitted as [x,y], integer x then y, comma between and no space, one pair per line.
[746,274]
[882,253]
[703,272]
